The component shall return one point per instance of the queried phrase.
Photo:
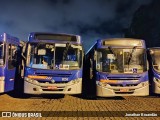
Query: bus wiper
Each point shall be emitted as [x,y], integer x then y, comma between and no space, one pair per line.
[112,51]
[130,56]
[65,52]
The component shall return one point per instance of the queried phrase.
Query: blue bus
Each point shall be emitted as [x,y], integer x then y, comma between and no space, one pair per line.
[154,63]
[119,67]
[9,49]
[53,64]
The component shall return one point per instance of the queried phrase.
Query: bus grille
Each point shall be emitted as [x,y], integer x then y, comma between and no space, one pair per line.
[121,85]
[56,82]
[124,92]
[53,74]
[52,90]
[123,78]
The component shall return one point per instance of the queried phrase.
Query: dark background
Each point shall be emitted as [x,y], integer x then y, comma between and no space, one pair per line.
[92,19]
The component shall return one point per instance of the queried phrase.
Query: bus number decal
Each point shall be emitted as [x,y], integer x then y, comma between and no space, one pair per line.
[64,79]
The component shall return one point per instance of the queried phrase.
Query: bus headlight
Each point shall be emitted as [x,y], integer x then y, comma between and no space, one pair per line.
[75,81]
[31,80]
[103,84]
[145,83]
[158,80]
[35,81]
[2,78]
[28,79]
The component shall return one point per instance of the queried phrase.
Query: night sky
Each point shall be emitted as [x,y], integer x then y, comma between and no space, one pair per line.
[92,19]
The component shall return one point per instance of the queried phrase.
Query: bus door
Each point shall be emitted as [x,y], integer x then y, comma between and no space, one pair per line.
[11,58]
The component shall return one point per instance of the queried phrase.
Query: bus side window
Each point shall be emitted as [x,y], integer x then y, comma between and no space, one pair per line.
[12,56]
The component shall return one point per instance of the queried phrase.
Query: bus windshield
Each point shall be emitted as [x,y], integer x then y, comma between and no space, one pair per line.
[70,58]
[1,54]
[128,60]
[52,56]
[156,59]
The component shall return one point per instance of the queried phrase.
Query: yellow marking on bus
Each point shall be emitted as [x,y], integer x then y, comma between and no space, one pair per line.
[37,77]
[108,81]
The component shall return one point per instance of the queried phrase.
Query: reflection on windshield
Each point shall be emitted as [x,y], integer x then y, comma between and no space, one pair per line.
[106,61]
[1,54]
[156,59]
[47,56]
[41,56]
[72,58]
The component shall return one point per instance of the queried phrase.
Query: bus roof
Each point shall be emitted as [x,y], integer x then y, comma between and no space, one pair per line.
[4,37]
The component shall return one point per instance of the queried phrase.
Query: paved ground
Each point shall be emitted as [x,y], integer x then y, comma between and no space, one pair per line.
[87,108]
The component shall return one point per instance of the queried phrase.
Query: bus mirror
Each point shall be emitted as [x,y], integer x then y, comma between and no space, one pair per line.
[41,52]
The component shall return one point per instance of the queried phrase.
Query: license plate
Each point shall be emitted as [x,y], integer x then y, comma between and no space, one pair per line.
[124,90]
[52,87]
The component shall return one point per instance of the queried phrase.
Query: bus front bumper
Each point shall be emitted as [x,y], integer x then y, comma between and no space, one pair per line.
[108,91]
[72,87]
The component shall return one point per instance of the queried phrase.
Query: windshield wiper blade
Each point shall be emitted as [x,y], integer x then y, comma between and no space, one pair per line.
[112,51]
[130,56]
[65,52]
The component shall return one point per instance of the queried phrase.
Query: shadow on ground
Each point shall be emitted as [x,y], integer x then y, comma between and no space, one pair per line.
[151,95]
[91,97]
[21,95]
